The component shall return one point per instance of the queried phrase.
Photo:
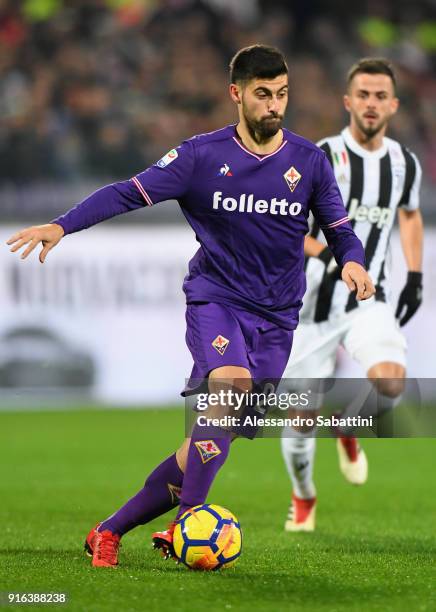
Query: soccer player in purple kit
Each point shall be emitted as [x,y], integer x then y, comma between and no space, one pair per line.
[246,190]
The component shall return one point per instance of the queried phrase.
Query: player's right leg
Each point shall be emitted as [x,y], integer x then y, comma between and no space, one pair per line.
[159,494]
[183,479]
[312,357]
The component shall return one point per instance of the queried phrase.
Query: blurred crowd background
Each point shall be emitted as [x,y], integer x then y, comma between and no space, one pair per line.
[93,91]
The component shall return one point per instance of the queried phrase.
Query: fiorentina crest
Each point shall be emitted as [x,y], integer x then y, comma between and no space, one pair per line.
[220,344]
[292,177]
[208,449]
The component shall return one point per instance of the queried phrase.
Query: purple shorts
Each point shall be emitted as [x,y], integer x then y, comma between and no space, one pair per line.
[219,335]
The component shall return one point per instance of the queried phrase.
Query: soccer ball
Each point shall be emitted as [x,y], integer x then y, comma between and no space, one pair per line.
[208,537]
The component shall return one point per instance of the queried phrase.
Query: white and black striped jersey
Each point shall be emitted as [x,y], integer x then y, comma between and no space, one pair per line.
[373,185]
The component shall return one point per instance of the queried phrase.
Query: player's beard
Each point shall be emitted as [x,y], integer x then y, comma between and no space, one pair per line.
[370,130]
[264,129]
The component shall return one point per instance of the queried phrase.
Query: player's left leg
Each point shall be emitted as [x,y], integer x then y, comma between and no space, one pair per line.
[267,351]
[206,456]
[261,348]
[207,450]
[375,341]
[219,349]
[388,380]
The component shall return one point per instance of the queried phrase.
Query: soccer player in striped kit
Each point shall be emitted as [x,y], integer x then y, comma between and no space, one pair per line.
[246,190]
[379,179]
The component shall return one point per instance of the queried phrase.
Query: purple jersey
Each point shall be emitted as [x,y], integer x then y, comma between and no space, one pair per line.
[249,214]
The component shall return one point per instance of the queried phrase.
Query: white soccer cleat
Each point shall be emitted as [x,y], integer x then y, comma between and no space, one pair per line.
[301,514]
[352,460]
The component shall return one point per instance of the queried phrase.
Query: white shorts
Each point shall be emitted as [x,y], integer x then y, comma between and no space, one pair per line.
[370,335]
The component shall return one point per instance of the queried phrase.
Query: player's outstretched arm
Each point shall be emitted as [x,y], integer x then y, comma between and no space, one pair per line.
[48,235]
[107,202]
[357,279]
[168,179]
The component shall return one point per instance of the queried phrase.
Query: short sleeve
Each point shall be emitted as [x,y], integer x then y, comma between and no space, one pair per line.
[169,178]
[326,202]
[412,182]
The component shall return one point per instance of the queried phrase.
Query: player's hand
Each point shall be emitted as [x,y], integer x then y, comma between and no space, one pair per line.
[49,235]
[410,298]
[357,279]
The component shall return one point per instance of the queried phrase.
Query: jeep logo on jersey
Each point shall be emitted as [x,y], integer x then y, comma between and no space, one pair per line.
[247,203]
[292,177]
[374,214]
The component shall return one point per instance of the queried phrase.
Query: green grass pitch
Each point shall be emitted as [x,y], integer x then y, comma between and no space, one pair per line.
[63,471]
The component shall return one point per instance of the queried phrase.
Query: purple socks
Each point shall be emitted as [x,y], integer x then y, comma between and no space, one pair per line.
[205,457]
[160,493]
[167,486]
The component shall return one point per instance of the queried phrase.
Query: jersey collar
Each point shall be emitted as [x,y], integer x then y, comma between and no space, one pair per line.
[259,157]
[356,148]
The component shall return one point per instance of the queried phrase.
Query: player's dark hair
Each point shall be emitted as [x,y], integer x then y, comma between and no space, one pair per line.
[257,62]
[372,65]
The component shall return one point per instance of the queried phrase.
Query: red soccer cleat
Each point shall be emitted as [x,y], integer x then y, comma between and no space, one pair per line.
[103,547]
[90,540]
[301,515]
[163,541]
[352,460]
[351,447]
